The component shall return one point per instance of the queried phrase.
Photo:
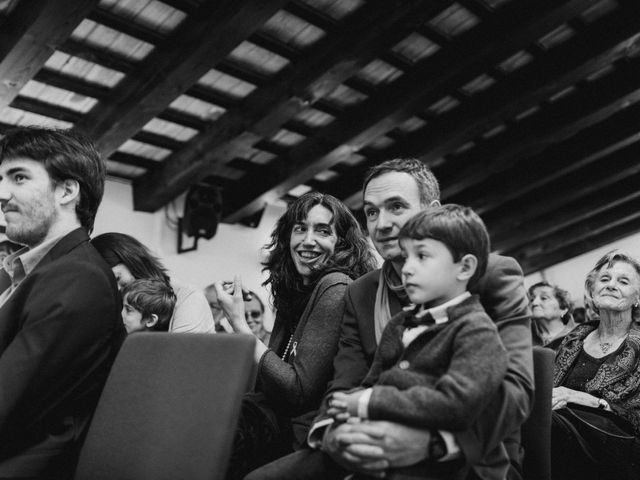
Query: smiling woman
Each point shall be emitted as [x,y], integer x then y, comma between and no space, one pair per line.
[596,399]
[317,248]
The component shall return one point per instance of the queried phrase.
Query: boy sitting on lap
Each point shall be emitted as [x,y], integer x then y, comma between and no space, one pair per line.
[438,363]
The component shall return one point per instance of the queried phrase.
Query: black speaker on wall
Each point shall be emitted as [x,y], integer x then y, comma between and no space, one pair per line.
[202,213]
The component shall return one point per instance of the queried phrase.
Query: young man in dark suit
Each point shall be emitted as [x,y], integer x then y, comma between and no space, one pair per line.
[394,191]
[60,326]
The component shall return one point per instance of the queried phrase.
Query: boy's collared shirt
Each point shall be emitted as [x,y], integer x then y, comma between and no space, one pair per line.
[437,315]
[19,264]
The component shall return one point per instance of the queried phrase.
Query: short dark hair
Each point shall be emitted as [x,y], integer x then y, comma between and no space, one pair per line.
[425,179]
[65,154]
[459,228]
[118,248]
[563,297]
[608,259]
[151,297]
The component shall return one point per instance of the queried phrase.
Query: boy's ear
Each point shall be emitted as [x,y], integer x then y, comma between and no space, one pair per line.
[468,265]
[151,321]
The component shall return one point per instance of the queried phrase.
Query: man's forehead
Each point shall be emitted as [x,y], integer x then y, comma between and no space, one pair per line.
[392,185]
[20,163]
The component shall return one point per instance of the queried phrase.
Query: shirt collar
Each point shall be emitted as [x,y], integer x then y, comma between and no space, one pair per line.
[439,313]
[19,264]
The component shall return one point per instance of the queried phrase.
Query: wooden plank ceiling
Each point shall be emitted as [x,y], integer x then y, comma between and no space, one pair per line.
[527,110]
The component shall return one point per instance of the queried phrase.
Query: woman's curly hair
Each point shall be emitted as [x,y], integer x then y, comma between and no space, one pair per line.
[352,254]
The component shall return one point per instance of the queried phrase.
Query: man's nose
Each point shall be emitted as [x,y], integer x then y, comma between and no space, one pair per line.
[384,220]
[5,195]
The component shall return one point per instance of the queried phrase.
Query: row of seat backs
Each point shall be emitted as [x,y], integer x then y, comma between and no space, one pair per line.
[169,408]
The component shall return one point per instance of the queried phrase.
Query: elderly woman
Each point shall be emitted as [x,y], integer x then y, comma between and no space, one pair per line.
[596,399]
[317,248]
[551,309]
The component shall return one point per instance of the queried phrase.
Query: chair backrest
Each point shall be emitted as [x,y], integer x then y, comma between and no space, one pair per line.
[169,408]
[536,430]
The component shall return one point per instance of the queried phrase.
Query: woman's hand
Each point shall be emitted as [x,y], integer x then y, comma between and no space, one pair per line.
[232,303]
[561,396]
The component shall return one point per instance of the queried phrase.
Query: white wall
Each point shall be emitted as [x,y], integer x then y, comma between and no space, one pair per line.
[570,275]
[235,249]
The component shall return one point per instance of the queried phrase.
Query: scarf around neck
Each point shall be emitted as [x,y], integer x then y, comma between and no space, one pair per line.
[389,281]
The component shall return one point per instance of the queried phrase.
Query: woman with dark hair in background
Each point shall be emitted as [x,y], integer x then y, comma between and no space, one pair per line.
[596,395]
[130,260]
[551,309]
[317,248]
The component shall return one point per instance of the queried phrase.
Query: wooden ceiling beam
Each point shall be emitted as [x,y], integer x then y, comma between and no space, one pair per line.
[156,140]
[588,235]
[462,60]
[30,35]
[124,25]
[472,168]
[183,118]
[324,66]
[98,56]
[488,109]
[72,84]
[134,160]
[588,200]
[602,44]
[611,137]
[201,41]
[46,109]
[593,105]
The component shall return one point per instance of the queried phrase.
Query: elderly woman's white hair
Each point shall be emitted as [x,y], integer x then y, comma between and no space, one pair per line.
[608,259]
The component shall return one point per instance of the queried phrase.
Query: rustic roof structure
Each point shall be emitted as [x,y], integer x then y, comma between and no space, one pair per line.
[527,110]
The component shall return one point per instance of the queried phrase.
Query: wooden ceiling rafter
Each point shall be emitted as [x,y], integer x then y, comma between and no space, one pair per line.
[580,246]
[588,235]
[134,160]
[610,137]
[462,60]
[194,48]
[581,201]
[528,111]
[627,95]
[303,84]
[46,109]
[30,35]
[475,173]
[523,89]
[443,134]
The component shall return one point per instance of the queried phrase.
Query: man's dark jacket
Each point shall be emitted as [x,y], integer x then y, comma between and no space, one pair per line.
[59,333]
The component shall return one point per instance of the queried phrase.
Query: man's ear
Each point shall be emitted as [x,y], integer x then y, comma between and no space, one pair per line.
[468,265]
[435,203]
[151,321]
[70,190]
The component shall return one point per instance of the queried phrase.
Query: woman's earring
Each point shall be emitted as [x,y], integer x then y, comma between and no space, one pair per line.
[637,304]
